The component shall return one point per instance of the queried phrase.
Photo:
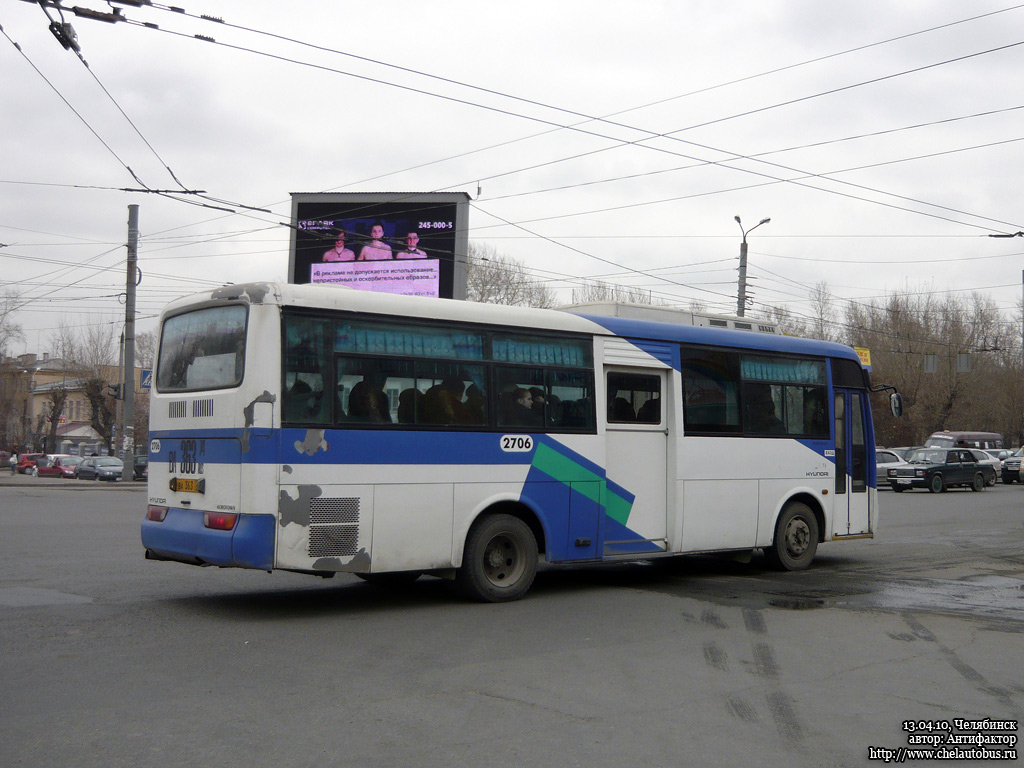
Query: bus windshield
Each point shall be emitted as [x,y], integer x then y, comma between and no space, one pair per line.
[204,349]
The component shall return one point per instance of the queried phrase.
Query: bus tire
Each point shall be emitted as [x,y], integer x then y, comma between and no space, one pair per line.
[937,484]
[500,560]
[979,482]
[796,538]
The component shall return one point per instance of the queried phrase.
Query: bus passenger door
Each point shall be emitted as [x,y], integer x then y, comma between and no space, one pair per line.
[852,510]
[636,502]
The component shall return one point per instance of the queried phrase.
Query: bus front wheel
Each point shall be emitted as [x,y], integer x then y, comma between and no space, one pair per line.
[796,538]
[500,560]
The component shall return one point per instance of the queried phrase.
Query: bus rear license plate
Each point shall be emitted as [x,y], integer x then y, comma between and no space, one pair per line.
[188,485]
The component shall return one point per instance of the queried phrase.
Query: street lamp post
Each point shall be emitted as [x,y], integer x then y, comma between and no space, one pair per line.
[741,296]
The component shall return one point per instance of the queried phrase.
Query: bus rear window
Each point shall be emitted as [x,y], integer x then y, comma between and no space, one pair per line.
[204,349]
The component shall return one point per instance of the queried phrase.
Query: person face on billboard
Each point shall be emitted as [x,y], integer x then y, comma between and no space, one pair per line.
[376,249]
[412,250]
[339,252]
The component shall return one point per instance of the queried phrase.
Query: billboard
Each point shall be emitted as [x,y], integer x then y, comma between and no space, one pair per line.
[412,243]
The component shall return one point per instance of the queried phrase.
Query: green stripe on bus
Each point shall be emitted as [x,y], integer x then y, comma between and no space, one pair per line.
[617,508]
[565,470]
[562,468]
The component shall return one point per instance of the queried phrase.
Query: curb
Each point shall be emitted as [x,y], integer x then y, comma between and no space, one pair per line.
[58,483]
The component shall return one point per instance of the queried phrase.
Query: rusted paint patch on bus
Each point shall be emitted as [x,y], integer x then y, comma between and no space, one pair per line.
[313,442]
[255,293]
[360,563]
[297,510]
[249,413]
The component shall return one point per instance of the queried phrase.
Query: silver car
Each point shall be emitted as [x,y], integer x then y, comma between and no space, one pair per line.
[984,457]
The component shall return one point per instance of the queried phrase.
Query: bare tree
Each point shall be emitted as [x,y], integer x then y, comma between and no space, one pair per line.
[594,290]
[90,352]
[145,349]
[825,317]
[10,331]
[945,355]
[11,426]
[788,322]
[494,278]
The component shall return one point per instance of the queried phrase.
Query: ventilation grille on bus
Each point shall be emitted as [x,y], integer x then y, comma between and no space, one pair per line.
[333,527]
[202,407]
[178,409]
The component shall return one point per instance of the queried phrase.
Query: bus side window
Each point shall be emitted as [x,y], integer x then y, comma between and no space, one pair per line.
[305,363]
[634,397]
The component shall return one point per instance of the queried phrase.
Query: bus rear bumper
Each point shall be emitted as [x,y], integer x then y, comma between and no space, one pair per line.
[182,537]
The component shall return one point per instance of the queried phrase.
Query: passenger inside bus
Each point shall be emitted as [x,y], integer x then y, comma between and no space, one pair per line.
[409,404]
[650,412]
[442,403]
[367,402]
[297,401]
[760,409]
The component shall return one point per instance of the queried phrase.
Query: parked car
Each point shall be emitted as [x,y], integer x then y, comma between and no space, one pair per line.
[100,468]
[885,458]
[46,465]
[938,469]
[905,450]
[68,465]
[5,459]
[26,461]
[983,457]
[1011,467]
[140,466]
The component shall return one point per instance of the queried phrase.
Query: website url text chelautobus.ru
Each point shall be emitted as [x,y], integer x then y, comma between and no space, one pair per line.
[956,739]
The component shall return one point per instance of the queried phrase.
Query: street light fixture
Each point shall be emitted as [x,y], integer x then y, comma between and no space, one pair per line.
[741,297]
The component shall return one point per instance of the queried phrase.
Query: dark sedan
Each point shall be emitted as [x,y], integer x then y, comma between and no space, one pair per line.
[938,469]
[100,468]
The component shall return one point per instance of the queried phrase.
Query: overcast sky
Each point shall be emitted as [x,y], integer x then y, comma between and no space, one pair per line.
[607,140]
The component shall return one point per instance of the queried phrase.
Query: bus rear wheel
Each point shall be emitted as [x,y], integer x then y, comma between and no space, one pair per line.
[796,538]
[500,560]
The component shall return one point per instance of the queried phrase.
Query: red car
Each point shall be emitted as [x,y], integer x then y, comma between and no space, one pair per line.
[48,465]
[26,461]
[67,465]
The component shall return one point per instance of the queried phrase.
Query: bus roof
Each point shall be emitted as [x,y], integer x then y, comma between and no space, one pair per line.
[341,298]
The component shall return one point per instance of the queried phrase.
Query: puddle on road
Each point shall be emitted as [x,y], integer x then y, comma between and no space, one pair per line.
[984,596]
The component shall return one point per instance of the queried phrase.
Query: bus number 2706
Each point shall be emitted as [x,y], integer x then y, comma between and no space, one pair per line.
[516,443]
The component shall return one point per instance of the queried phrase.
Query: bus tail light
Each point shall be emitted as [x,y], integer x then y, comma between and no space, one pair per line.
[156,514]
[219,521]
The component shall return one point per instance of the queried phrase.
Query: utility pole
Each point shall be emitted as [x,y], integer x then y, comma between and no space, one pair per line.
[128,385]
[741,295]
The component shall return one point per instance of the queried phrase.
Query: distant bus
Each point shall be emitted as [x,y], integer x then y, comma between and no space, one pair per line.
[320,429]
[983,440]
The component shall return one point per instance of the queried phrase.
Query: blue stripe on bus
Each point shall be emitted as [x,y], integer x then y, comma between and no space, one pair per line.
[342,446]
[636,331]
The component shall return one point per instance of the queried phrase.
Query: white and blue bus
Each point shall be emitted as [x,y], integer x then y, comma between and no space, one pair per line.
[320,429]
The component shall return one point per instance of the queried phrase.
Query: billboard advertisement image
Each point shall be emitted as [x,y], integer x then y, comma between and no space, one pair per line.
[412,243]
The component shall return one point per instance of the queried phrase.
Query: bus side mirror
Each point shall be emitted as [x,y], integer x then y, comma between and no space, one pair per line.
[896,404]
